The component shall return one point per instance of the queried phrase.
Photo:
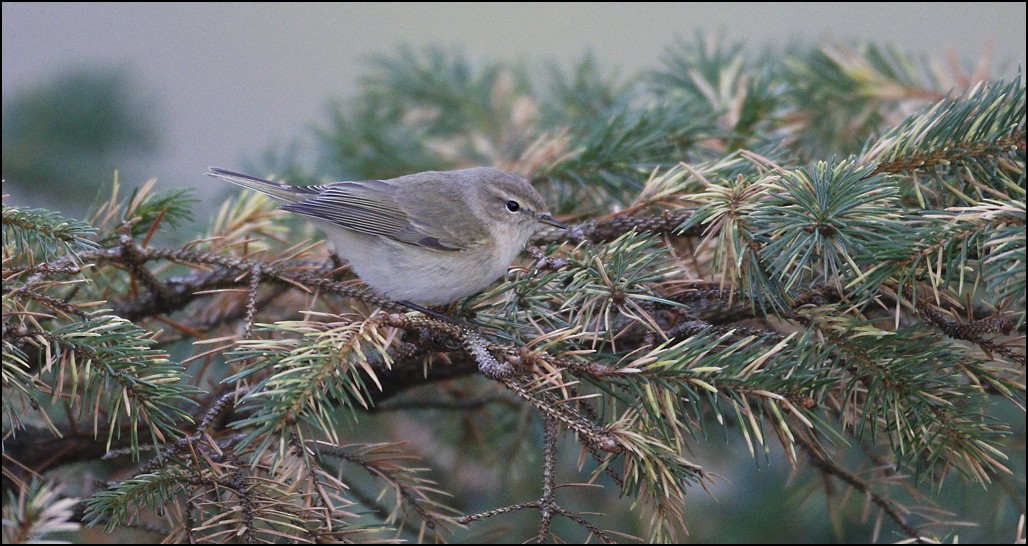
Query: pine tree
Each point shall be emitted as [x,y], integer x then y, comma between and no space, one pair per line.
[818,255]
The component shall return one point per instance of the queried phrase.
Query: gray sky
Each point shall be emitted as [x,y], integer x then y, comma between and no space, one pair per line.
[233,79]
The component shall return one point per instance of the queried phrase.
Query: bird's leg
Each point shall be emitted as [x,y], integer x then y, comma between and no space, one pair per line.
[435,314]
[474,345]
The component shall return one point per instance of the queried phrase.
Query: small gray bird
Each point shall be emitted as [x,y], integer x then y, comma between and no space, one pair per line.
[428,238]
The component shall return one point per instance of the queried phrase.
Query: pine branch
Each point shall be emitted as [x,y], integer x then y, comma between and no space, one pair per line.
[115,355]
[547,504]
[984,125]
[886,505]
[412,495]
[37,514]
[49,231]
[732,271]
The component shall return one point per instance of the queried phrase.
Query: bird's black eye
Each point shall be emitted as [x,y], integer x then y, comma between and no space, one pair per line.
[513,206]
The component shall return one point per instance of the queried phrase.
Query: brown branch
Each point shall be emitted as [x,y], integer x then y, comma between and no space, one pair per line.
[691,328]
[46,451]
[552,407]
[55,304]
[548,501]
[409,493]
[38,450]
[42,269]
[133,261]
[401,378]
[251,301]
[886,505]
[594,231]
[174,294]
[546,504]
[715,305]
[514,359]
[451,405]
[197,328]
[952,154]
[974,331]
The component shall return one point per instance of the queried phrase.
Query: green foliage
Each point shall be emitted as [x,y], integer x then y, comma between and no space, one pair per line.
[845,95]
[816,257]
[37,513]
[117,364]
[120,381]
[820,226]
[718,77]
[143,211]
[45,230]
[314,370]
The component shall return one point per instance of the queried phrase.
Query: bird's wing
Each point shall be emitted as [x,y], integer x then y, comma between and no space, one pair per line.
[370,207]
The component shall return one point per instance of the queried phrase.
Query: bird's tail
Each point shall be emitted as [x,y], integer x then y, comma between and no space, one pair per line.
[288,194]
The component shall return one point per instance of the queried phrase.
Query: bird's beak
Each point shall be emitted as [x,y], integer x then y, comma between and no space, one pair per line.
[547,219]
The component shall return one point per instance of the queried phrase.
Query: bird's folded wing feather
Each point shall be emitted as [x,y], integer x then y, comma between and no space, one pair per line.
[369,207]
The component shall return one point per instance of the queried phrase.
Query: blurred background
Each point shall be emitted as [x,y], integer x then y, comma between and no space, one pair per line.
[164,91]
